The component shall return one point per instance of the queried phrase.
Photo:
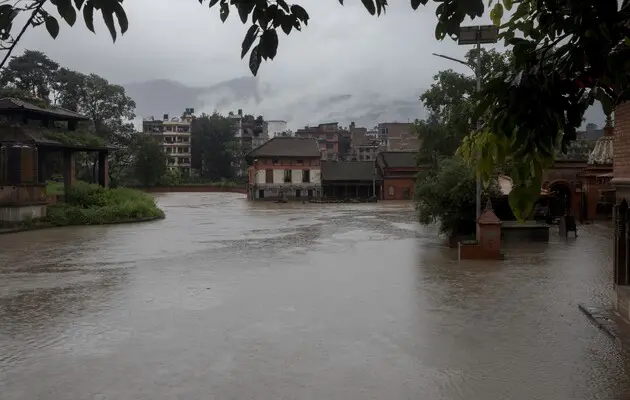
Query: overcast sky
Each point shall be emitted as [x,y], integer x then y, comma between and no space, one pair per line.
[343,47]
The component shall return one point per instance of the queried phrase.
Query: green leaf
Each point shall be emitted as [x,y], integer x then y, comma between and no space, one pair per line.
[300,13]
[283,4]
[121,16]
[250,37]
[79,3]
[108,18]
[88,16]
[244,9]
[415,4]
[254,60]
[224,11]
[439,31]
[508,4]
[52,26]
[269,43]
[496,14]
[212,3]
[369,5]
[286,23]
[67,11]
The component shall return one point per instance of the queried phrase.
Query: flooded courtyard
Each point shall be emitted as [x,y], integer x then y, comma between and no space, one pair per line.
[227,299]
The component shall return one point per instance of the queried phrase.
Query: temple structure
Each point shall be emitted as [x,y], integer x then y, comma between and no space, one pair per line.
[29,137]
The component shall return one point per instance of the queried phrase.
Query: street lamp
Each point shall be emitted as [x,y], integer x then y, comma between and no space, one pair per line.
[477,35]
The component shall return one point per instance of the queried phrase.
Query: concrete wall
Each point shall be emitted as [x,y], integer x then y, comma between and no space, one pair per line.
[13,215]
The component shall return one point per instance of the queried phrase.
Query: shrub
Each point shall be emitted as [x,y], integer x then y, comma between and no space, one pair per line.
[447,195]
[94,205]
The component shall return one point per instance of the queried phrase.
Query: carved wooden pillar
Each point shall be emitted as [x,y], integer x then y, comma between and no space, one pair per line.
[621,243]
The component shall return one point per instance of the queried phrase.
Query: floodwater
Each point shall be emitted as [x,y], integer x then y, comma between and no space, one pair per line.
[227,299]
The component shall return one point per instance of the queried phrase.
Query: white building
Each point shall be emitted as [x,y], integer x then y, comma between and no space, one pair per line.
[174,136]
[274,128]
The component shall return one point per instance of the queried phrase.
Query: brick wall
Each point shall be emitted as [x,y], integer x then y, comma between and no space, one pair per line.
[621,162]
[399,185]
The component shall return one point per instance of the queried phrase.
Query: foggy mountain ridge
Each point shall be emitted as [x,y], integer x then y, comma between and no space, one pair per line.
[164,96]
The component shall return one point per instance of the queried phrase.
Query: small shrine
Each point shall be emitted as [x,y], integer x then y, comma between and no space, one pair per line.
[27,140]
[599,194]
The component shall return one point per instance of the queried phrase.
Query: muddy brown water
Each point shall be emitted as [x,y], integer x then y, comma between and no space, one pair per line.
[227,299]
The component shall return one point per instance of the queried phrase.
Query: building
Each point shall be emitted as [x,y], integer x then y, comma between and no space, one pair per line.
[351,180]
[399,136]
[285,168]
[275,128]
[399,170]
[327,136]
[174,135]
[28,142]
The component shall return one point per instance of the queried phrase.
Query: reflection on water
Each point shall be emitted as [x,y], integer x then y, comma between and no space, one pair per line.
[229,299]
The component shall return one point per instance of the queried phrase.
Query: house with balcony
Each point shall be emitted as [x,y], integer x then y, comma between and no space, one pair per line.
[285,168]
[174,135]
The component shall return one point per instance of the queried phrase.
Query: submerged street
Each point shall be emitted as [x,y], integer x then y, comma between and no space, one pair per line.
[229,299]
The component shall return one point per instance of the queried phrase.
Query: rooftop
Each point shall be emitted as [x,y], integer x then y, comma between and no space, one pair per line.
[349,171]
[399,159]
[14,134]
[11,105]
[287,146]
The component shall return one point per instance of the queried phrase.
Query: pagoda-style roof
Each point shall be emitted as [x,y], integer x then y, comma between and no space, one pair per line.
[602,153]
[42,137]
[11,105]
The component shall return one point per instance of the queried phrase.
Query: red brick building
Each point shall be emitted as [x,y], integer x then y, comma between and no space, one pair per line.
[399,170]
[399,136]
[327,136]
[285,168]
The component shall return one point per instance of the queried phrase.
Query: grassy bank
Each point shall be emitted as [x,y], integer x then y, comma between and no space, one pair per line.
[93,205]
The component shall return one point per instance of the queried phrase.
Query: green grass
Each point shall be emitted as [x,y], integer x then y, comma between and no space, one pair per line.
[54,188]
[94,205]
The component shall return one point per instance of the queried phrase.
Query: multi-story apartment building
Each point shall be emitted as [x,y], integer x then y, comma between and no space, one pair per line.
[285,168]
[273,128]
[174,136]
[327,136]
[399,136]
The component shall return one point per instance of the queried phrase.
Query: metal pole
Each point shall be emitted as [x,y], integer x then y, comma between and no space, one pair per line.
[374,180]
[478,76]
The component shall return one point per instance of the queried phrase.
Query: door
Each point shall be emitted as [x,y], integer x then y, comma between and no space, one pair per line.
[310,193]
[269,175]
[298,193]
[261,194]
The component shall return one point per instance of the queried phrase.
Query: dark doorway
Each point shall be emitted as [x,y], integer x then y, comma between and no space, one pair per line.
[306,175]
[562,194]
[261,194]
[406,193]
[298,193]
[310,193]
[269,175]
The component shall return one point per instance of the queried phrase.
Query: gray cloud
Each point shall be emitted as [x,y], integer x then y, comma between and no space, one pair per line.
[343,50]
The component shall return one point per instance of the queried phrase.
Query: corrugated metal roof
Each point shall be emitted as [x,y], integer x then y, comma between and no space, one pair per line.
[399,159]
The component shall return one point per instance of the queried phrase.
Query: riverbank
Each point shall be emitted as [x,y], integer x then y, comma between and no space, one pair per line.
[88,204]
[196,188]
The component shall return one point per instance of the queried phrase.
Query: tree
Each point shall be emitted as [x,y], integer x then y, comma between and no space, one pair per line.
[567,53]
[214,146]
[32,74]
[150,162]
[446,196]
[450,102]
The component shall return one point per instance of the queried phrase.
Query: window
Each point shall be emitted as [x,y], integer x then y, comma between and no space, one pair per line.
[274,162]
[287,176]
[330,136]
[300,162]
[330,146]
[269,176]
[306,175]
[392,191]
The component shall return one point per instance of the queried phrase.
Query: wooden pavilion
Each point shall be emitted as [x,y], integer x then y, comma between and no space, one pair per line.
[28,137]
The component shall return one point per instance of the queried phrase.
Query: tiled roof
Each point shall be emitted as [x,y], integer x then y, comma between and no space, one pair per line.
[398,159]
[37,136]
[349,171]
[11,104]
[287,147]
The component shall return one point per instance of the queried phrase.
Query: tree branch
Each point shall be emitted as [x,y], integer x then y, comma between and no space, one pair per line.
[19,36]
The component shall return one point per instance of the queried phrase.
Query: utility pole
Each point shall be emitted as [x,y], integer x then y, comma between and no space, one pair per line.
[476,35]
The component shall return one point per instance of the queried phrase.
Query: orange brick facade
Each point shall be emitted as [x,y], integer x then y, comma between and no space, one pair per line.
[621,162]
[398,188]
